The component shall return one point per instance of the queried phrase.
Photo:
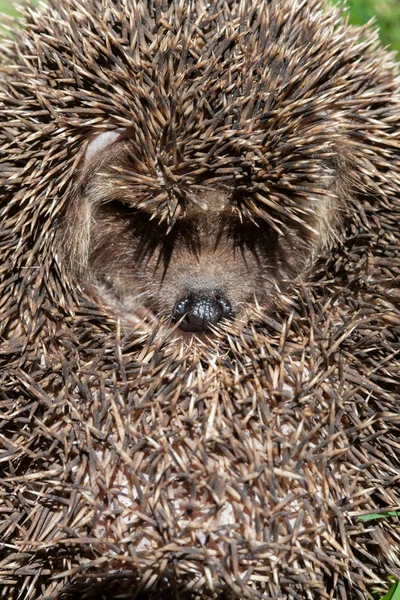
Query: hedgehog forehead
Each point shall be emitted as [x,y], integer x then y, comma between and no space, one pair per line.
[185,80]
[209,201]
[246,187]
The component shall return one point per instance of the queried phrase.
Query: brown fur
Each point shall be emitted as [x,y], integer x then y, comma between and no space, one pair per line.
[134,261]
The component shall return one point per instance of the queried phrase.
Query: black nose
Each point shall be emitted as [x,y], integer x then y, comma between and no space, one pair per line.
[201,309]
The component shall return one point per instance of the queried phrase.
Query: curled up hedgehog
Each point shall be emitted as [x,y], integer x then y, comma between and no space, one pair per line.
[199,302]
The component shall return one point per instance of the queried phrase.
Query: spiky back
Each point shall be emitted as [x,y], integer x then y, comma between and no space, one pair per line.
[253,95]
[124,451]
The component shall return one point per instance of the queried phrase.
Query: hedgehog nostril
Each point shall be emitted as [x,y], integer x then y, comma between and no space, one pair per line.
[224,305]
[200,309]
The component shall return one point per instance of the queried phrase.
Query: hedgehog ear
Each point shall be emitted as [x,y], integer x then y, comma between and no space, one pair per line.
[101,141]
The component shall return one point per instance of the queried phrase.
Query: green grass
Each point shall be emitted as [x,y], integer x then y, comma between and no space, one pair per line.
[393,593]
[387,16]
[7,7]
[382,515]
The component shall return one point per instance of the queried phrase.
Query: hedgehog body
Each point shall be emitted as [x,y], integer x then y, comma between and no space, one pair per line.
[230,158]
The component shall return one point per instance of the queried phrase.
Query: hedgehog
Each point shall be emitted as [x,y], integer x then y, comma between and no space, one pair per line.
[175,217]
[201,256]
[200,303]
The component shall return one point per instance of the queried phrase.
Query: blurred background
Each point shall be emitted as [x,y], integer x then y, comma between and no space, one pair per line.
[386,12]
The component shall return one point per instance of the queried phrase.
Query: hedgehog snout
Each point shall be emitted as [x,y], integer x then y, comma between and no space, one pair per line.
[196,311]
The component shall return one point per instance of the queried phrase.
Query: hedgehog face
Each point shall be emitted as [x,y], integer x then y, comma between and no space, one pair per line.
[206,264]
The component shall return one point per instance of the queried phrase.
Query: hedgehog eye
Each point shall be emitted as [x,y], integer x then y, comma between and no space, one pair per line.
[137,217]
[258,237]
[249,230]
[119,206]
[124,208]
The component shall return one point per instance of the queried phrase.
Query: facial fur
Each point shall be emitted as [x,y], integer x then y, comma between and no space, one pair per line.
[140,264]
[228,173]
